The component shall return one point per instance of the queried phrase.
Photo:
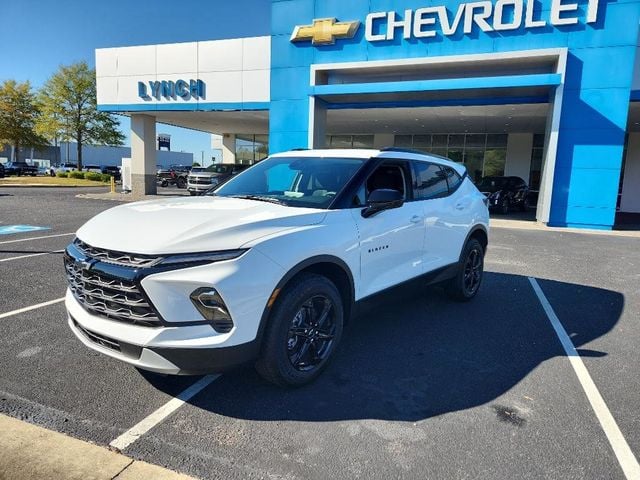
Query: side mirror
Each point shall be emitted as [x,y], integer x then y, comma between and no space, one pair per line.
[382,199]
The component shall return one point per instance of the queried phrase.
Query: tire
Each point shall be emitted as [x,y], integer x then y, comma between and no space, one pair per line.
[287,358]
[181,182]
[524,205]
[192,193]
[505,206]
[465,285]
[164,183]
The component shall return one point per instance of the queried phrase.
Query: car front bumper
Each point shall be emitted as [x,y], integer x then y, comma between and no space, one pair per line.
[182,341]
[166,360]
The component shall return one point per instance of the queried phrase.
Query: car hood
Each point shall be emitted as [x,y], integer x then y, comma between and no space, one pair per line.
[198,224]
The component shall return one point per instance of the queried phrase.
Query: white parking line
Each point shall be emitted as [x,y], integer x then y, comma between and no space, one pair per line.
[36,238]
[30,255]
[620,447]
[32,307]
[146,424]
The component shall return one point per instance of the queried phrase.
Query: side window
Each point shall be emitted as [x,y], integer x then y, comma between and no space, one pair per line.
[387,177]
[453,178]
[431,181]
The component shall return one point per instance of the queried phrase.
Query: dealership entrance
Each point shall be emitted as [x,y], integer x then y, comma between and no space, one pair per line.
[498,114]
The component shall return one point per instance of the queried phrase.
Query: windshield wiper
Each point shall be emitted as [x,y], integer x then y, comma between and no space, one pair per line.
[260,199]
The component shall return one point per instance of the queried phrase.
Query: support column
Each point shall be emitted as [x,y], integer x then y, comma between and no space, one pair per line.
[229,148]
[519,148]
[317,123]
[631,185]
[143,155]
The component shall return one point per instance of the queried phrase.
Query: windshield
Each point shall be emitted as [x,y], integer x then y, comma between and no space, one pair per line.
[311,182]
[493,182]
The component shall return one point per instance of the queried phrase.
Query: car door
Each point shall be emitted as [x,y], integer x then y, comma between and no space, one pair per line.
[431,191]
[391,241]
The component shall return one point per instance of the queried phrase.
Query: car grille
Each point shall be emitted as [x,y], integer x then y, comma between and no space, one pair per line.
[200,180]
[113,298]
[115,257]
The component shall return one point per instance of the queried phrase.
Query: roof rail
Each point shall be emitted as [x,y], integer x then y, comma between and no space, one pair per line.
[417,152]
[402,150]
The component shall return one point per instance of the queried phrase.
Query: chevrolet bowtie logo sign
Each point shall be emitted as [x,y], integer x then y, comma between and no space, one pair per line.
[324,31]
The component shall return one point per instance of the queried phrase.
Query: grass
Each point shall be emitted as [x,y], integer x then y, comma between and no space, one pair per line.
[51,181]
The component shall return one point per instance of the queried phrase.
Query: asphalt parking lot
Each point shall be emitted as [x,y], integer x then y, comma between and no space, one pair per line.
[421,387]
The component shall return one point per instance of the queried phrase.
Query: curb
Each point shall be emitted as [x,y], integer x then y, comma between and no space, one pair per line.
[38,185]
[541,227]
[126,198]
[30,452]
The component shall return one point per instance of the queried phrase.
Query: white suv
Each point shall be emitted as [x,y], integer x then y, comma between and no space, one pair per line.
[269,267]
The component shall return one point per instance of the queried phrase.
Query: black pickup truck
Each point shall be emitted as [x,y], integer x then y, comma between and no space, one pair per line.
[20,168]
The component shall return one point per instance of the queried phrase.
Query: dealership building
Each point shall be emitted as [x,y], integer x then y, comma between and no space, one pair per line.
[546,90]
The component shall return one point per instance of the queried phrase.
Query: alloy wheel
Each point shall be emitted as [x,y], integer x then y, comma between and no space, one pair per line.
[473,271]
[311,333]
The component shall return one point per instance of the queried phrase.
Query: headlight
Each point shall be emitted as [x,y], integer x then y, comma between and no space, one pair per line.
[192,259]
[214,181]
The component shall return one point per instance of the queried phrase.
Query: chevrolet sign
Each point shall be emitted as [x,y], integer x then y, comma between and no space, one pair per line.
[427,22]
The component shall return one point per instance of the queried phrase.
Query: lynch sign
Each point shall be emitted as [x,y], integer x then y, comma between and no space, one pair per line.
[171,90]
[488,16]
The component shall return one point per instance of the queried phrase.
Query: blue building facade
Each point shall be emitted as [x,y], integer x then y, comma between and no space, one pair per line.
[577,56]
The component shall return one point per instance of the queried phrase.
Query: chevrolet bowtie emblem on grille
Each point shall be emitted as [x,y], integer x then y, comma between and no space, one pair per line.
[85,264]
[324,31]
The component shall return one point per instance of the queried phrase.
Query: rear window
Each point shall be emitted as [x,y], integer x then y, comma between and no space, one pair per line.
[453,178]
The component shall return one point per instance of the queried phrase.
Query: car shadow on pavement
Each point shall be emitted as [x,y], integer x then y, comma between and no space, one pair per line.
[411,354]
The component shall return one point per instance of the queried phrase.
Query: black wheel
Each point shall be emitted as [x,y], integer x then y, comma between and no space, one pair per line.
[192,193]
[305,327]
[465,285]
[164,183]
[524,205]
[505,206]
[181,182]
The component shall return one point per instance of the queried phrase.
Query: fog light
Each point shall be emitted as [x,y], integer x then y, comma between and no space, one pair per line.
[211,306]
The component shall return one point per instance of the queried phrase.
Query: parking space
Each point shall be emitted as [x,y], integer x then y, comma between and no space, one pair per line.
[421,387]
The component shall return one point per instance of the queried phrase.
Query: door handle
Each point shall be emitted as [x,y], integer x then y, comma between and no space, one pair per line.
[416,219]
[460,206]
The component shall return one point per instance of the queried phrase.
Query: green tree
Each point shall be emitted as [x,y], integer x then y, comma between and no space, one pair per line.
[18,115]
[69,110]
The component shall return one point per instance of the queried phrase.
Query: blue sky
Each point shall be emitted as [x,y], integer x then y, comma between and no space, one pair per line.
[39,35]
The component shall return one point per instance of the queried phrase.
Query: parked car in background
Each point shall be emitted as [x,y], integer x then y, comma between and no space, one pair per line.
[20,168]
[112,170]
[201,179]
[174,175]
[505,193]
[92,168]
[1,170]
[64,168]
